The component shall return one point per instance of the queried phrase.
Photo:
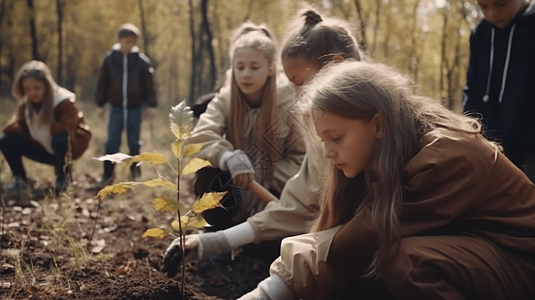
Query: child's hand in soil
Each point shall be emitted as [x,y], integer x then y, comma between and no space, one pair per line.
[197,247]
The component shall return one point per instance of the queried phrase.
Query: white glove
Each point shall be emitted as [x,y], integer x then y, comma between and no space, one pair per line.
[236,162]
[256,294]
[196,247]
[271,288]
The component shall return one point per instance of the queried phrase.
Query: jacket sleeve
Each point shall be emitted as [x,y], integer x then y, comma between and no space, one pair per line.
[17,124]
[65,117]
[472,98]
[148,84]
[298,205]
[210,131]
[101,96]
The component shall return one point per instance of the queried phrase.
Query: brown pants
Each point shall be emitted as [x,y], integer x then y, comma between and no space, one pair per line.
[458,267]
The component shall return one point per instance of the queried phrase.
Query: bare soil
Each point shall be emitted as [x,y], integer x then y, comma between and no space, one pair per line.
[119,263]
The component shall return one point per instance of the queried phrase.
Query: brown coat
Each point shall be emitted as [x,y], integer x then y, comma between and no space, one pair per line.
[456,185]
[67,120]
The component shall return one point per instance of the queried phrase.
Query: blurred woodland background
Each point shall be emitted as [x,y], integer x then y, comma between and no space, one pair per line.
[187,40]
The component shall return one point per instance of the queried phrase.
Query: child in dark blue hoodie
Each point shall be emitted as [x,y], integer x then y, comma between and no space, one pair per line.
[501,77]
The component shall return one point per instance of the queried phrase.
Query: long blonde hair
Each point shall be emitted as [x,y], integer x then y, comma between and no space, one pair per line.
[39,71]
[257,37]
[360,90]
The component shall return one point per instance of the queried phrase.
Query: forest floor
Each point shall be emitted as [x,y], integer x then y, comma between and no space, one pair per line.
[46,253]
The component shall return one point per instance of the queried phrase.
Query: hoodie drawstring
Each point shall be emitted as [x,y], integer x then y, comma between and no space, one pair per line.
[486,97]
[509,45]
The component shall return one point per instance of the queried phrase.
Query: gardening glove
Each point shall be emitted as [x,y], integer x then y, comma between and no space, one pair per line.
[173,254]
[237,162]
[200,246]
[240,167]
[197,247]
[271,288]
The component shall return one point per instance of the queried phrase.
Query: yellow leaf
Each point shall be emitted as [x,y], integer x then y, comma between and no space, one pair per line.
[152,157]
[156,232]
[119,188]
[177,148]
[167,205]
[208,201]
[195,165]
[180,132]
[192,149]
[184,220]
[161,182]
[197,222]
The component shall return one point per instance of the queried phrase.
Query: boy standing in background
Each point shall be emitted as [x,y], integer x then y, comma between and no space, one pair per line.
[501,77]
[126,82]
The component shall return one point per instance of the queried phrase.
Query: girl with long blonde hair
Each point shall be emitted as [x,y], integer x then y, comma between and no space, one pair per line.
[415,197]
[248,133]
[304,52]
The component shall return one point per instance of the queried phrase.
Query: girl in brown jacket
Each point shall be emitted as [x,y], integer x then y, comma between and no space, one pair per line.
[414,197]
[47,126]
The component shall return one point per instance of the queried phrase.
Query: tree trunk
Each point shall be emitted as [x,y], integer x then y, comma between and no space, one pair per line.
[444,60]
[193,75]
[197,84]
[59,10]
[362,27]
[388,34]
[413,58]
[2,14]
[33,32]
[376,26]
[144,29]
[249,10]
[71,73]
[11,67]
[208,40]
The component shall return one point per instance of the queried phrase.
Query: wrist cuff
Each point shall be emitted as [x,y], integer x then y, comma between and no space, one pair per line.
[223,160]
[275,288]
[213,243]
[239,235]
